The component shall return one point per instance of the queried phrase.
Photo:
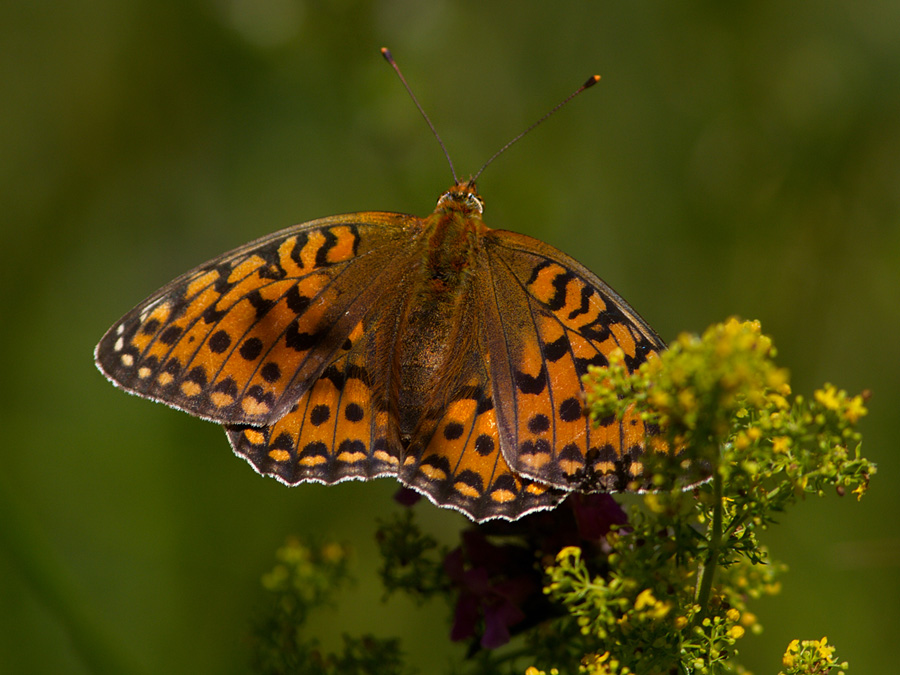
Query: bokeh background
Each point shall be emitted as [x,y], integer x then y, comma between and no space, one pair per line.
[737,158]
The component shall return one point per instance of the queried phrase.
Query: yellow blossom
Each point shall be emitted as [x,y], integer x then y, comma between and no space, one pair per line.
[781,444]
[598,664]
[654,608]
[779,401]
[777,379]
[824,650]
[644,599]
[687,400]
[736,632]
[332,552]
[828,397]
[790,654]
[569,552]
[654,503]
[660,399]
[855,409]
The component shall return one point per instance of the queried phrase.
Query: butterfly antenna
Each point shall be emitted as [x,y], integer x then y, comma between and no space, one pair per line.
[590,83]
[386,53]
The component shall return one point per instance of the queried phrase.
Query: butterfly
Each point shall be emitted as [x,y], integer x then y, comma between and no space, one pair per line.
[435,350]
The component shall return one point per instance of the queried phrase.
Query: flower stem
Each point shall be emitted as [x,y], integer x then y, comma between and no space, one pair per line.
[708,568]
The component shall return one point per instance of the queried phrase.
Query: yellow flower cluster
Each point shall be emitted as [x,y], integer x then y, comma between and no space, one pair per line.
[810,656]
[592,664]
[725,411]
[531,670]
[648,607]
[851,408]
[700,385]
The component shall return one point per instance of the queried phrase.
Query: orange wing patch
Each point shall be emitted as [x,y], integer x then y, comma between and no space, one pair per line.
[456,461]
[335,432]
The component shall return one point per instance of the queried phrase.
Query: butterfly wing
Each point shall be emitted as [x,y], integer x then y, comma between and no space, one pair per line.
[241,338]
[547,318]
[344,426]
[454,457]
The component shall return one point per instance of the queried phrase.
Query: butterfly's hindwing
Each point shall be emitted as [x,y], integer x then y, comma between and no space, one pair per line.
[454,457]
[556,319]
[341,428]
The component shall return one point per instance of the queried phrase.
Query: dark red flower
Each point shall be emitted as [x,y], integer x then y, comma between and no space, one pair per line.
[498,568]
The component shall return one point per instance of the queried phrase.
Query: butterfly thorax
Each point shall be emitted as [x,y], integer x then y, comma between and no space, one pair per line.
[439,305]
[454,232]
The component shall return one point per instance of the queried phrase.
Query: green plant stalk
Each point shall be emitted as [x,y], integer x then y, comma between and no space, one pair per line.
[707,570]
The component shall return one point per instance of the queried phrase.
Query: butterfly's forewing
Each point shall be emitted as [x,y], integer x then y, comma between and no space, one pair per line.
[550,318]
[239,339]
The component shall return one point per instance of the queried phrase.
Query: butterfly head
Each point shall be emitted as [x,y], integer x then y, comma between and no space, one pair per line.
[462,197]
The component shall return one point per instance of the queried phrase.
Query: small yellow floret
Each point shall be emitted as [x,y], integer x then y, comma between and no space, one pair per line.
[855,409]
[644,599]
[825,650]
[781,444]
[569,552]
[790,654]
[828,397]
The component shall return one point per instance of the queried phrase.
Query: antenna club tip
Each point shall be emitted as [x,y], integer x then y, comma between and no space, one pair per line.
[592,81]
[386,53]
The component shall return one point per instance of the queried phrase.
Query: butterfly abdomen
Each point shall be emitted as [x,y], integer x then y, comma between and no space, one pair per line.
[438,323]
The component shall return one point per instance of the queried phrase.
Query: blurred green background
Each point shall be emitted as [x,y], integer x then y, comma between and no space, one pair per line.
[737,158]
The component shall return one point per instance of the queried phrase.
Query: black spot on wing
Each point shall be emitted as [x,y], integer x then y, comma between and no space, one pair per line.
[528,384]
[586,293]
[259,303]
[554,351]
[298,340]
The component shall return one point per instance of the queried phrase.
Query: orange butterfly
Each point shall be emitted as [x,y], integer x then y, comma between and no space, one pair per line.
[435,350]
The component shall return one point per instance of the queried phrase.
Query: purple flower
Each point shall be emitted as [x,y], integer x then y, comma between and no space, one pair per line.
[596,514]
[493,582]
[407,496]
[499,585]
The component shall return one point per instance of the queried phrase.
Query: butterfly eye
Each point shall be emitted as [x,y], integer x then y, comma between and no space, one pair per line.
[472,202]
